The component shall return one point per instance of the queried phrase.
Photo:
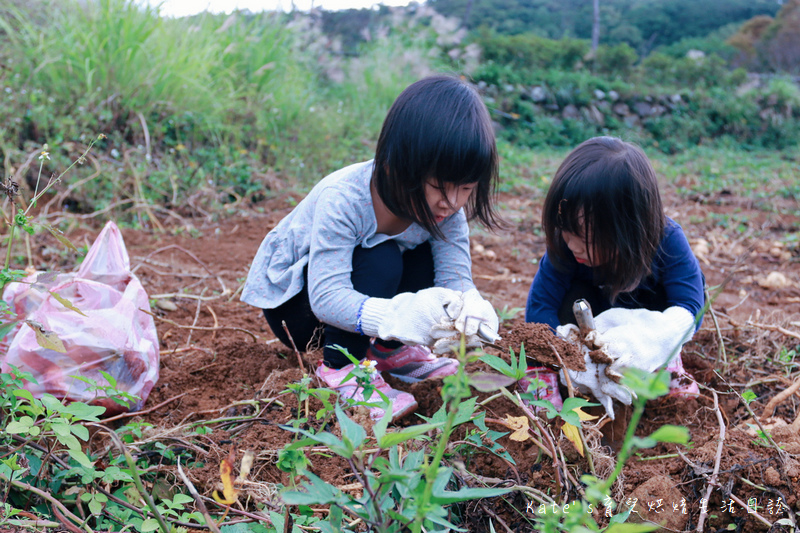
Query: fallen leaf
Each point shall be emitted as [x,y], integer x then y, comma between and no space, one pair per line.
[571,432]
[46,338]
[66,303]
[226,474]
[519,424]
[582,415]
[247,464]
[57,233]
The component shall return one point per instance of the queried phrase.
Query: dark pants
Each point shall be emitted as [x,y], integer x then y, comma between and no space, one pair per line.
[380,272]
[599,302]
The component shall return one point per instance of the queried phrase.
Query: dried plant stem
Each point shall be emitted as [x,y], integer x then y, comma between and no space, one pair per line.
[145,411]
[139,188]
[782,455]
[200,328]
[196,318]
[198,500]
[722,354]
[571,390]
[767,327]
[496,517]
[225,290]
[296,351]
[712,481]
[57,505]
[137,479]
[780,397]
[751,511]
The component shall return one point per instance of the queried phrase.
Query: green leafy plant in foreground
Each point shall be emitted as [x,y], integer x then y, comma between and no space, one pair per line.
[399,492]
[38,431]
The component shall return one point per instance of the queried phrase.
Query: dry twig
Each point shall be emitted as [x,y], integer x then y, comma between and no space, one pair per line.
[225,290]
[751,511]
[571,390]
[294,347]
[198,500]
[712,481]
[200,328]
[780,397]
[144,412]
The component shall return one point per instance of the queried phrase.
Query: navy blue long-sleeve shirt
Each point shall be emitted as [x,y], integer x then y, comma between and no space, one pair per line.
[675,269]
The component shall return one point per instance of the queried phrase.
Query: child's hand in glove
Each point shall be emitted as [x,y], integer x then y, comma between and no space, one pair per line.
[475,312]
[410,317]
[594,379]
[640,338]
[637,338]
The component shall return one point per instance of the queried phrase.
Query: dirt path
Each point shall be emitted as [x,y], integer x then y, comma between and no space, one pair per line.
[205,375]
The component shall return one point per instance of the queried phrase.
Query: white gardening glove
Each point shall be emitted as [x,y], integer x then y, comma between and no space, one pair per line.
[474,312]
[593,380]
[640,338]
[410,317]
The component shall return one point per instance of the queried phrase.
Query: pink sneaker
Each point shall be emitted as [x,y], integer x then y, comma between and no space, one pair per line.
[549,391]
[682,385]
[403,403]
[411,363]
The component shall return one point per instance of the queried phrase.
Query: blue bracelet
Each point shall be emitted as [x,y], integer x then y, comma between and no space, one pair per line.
[358,318]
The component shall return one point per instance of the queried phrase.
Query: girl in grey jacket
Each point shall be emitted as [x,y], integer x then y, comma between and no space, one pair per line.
[377,255]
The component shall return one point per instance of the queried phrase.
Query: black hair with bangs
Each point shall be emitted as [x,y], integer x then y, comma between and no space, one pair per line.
[437,130]
[606,192]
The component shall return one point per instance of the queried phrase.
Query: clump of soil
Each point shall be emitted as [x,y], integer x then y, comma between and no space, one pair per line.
[542,346]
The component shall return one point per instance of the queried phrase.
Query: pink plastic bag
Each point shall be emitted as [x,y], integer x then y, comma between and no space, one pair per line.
[115,336]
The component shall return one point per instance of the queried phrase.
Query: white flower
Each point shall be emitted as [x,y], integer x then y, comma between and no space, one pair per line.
[44,155]
[369,366]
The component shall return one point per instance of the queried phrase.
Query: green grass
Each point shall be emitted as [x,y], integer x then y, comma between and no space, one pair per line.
[222,108]
[706,170]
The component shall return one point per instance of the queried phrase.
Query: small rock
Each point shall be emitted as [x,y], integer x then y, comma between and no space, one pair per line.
[654,503]
[775,280]
[643,109]
[621,109]
[613,96]
[166,305]
[631,121]
[772,477]
[570,111]
[594,115]
[538,94]
[600,95]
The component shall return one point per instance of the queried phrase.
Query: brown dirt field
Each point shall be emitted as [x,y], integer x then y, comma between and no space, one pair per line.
[222,372]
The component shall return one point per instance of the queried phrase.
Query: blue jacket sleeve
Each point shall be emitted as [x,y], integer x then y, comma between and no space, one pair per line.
[546,293]
[682,278]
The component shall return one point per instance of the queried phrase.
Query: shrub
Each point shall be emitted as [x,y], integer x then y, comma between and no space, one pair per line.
[528,51]
[615,61]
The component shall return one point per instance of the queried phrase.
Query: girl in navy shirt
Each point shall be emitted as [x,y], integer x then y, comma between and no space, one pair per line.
[609,242]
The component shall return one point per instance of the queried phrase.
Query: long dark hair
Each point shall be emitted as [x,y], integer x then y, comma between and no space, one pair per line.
[606,191]
[437,130]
